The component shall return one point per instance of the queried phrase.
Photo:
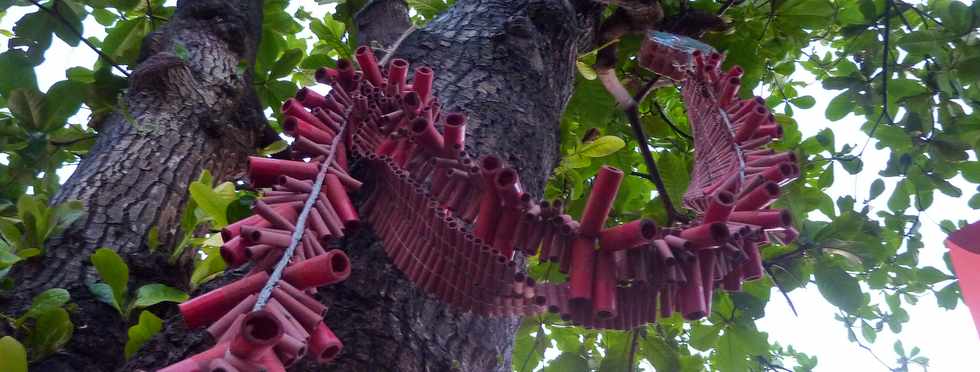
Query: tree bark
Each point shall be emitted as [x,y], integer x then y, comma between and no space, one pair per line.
[509,64]
[181,115]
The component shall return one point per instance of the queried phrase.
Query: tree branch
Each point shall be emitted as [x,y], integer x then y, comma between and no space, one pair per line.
[81,37]
[631,357]
[670,123]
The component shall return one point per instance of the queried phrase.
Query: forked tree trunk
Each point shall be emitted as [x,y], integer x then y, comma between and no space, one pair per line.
[508,64]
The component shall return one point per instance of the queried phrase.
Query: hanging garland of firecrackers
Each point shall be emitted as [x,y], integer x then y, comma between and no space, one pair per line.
[452,223]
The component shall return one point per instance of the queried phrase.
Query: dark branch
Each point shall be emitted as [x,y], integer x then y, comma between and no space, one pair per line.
[631,357]
[670,123]
[81,37]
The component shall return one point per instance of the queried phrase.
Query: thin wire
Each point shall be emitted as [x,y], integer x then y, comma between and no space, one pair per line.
[81,37]
[300,223]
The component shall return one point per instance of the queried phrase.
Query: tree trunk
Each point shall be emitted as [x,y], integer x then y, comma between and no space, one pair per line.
[183,114]
[509,64]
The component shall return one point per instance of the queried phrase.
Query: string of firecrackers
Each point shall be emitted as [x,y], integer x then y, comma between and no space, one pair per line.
[452,223]
[268,320]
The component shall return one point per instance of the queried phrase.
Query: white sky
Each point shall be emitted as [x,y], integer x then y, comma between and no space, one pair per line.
[948,338]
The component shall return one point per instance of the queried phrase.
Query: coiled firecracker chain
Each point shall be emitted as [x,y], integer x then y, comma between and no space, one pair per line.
[453,223]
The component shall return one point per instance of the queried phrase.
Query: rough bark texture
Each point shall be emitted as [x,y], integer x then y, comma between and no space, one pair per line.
[509,64]
[183,115]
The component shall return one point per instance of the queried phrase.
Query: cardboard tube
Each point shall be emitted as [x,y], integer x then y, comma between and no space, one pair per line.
[265,171]
[582,268]
[260,331]
[369,65]
[210,306]
[604,286]
[319,271]
[600,200]
[324,345]
[627,236]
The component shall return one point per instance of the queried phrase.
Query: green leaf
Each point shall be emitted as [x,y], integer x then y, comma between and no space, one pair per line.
[877,187]
[568,362]
[868,332]
[13,357]
[210,267]
[587,72]
[900,199]
[148,325]
[52,330]
[837,286]
[804,102]
[46,301]
[214,202]
[103,293]
[738,347]
[840,106]
[286,63]
[602,146]
[27,105]
[805,13]
[704,337]
[153,239]
[113,271]
[152,294]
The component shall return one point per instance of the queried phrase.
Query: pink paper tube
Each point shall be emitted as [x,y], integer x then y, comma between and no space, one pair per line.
[324,345]
[304,298]
[604,286]
[340,201]
[235,252]
[767,219]
[308,318]
[220,365]
[292,107]
[508,186]
[427,136]
[310,99]
[663,250]
[758,198]
[330,216]
[752,269]
[455,134]
[423,83]
[257,251]
[273,216]
[786,236]
[369,65]
[345,73]
[755,142]
[708,261]
[729,91]
[273,237]
[582,268]
[486,221]
[627,236]
[264,171]
[745,107]
[733,280]
[706,234]
[221,326]
[768,160]
[295,185]
[296,127]
[260,331]
[397,71]
[319,227]
[600,201]
[210,306]
[277,201]
[195,362]
[773,130]
[719,207]
[290,325]
[319,271]
[691,294]
[290,350]
[749,123]
[503,240]
[326,75]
